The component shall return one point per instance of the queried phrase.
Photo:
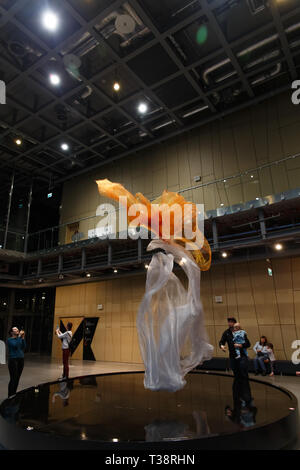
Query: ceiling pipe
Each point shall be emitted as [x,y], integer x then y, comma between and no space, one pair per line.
[248,50]
[275,71]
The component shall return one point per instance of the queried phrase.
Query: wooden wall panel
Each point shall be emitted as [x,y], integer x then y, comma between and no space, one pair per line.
[263,294]
[263,305]
[283,284]
[245,302]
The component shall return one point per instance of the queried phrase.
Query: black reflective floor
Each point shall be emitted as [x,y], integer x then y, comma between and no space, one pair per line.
[117,408]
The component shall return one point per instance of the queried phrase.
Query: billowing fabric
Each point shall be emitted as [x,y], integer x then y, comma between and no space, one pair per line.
[149,212]
[170,320]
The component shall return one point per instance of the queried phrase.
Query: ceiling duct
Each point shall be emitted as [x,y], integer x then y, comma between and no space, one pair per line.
[254,47]
[266,76]
[115,24]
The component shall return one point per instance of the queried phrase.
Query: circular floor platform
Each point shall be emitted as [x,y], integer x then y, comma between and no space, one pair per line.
[115,411]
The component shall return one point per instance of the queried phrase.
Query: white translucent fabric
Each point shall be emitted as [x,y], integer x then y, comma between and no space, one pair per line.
[170,321]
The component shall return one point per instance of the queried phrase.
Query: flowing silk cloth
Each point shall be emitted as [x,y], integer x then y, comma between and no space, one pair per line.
[170,320]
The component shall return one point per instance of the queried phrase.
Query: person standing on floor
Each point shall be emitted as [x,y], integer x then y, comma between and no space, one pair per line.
[239,367]
[16,346]
[65,338]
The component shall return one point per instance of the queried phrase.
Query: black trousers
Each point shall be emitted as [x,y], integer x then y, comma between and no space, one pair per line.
[241,386]
[15,367]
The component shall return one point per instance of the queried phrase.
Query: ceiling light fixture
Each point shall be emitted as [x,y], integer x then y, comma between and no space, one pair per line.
[64,147]
[18,141]
[54,79]
[117,86]
[142,108]
[88,275]
[278,246]
[50,20]
[115,270]
[224,254]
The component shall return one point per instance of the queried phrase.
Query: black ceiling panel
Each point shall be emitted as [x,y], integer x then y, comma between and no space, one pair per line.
[153,65]
[190,61]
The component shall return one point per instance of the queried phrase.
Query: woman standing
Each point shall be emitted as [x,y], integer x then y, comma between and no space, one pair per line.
[16,346]
[65,338]
[260,349]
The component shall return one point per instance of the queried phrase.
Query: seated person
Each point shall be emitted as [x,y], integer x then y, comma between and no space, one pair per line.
[239,337]
[260,349]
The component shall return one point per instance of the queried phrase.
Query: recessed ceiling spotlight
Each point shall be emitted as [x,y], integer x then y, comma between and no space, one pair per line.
[88,275]
[143,108]
[146,266]
[54,79]
[252,176]
[224,254]
[18,141]
[222,204]
[257,198]
[278,246]
[50,20]
[64,147]
[115,270]
[117,86]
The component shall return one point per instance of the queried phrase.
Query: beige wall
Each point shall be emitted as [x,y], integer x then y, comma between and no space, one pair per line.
[264,305]
[245,140]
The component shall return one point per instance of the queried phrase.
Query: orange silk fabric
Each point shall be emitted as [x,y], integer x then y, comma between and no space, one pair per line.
[152,214]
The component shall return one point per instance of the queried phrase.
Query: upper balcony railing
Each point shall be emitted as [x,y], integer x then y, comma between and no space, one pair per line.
[231,195]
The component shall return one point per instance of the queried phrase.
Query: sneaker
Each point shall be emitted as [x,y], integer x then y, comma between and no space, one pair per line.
[271,375]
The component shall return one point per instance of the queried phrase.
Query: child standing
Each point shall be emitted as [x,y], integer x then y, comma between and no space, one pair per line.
[269,349]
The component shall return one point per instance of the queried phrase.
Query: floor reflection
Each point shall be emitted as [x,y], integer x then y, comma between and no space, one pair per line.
[118,408]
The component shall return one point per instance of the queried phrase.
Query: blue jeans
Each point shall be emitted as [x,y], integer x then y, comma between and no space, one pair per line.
[259,362]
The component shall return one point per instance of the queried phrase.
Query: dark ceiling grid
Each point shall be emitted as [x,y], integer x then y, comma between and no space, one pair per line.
[120,61]
[220,115]
[283,39]
[123,61]
[84,82]
[7,15]
[43,60]
[67,42]
[215,25]
[146,20]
